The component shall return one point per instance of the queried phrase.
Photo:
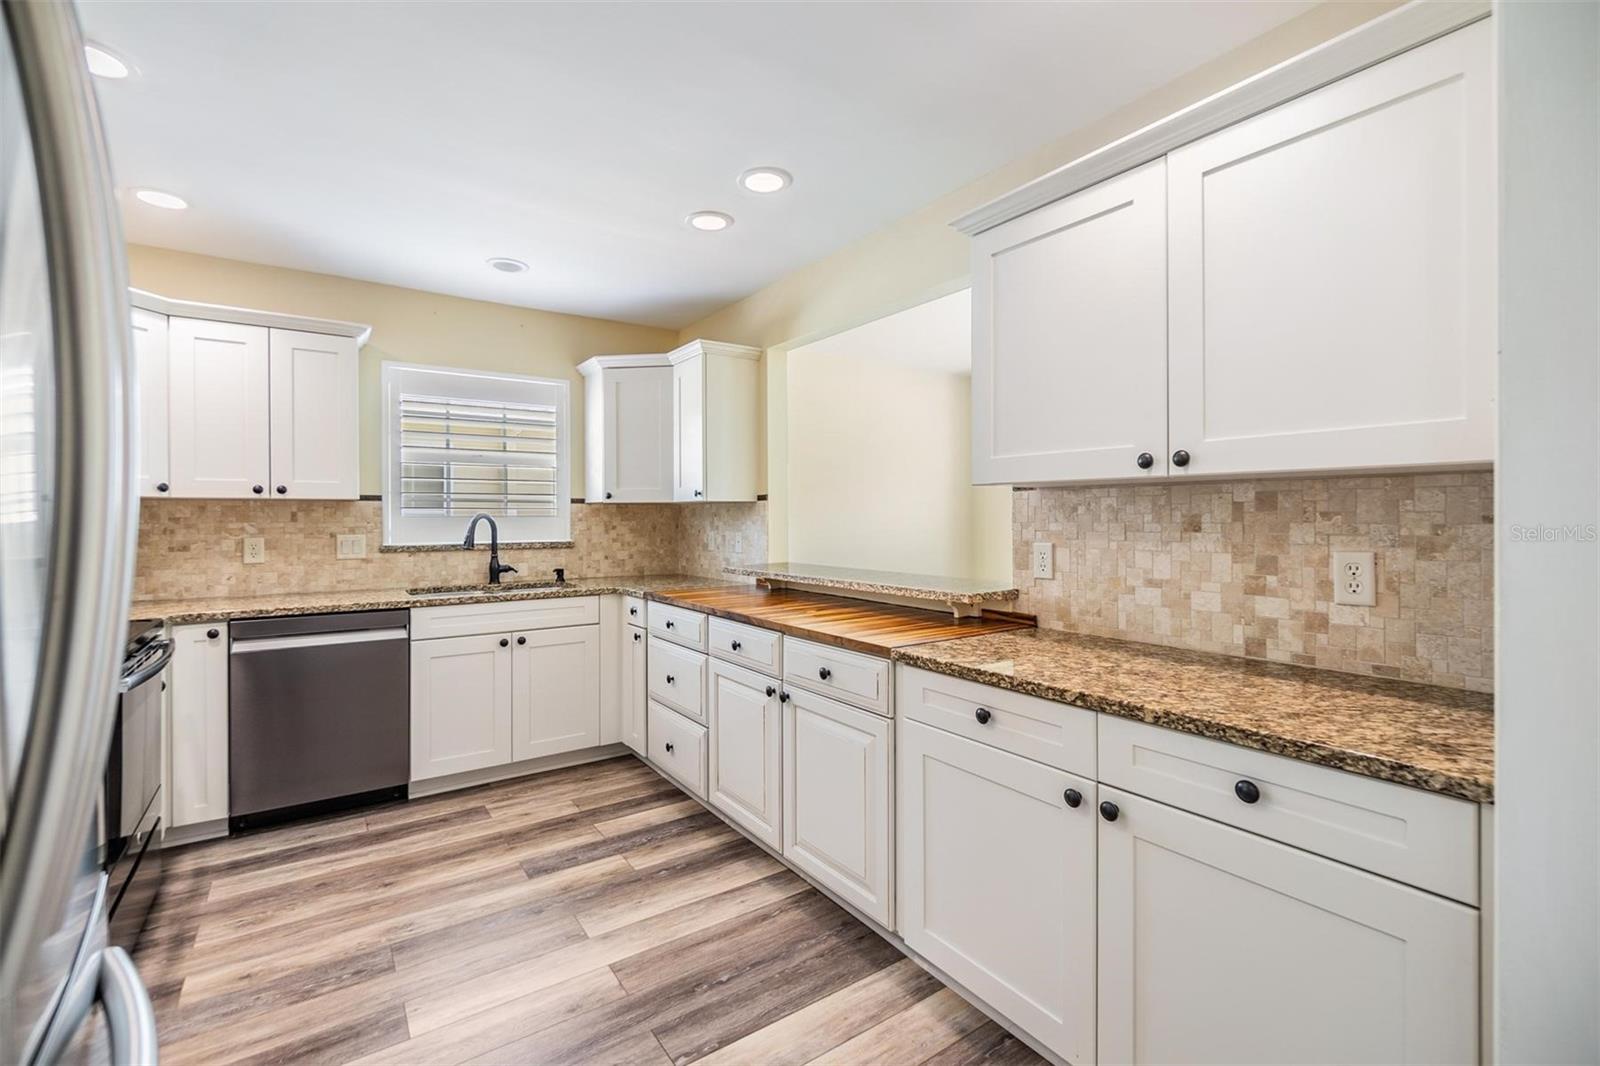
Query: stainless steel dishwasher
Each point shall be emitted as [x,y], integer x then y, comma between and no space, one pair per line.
[319,713]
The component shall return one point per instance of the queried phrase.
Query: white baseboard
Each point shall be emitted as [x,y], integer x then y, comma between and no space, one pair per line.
[434,785]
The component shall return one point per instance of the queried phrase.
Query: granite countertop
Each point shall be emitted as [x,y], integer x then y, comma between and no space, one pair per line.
[1438,739]
[948,590]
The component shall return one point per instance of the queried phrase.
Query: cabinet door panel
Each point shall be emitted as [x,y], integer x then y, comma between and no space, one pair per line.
[634,692]
[746,769]
[315,438]
[150,355]
[556,691]
[1220,946]
[638,434]
[219,408]
[997,881]
[1069,340]
[1332,274]
[198,765]
[689,429]
[837,805]
[460,705]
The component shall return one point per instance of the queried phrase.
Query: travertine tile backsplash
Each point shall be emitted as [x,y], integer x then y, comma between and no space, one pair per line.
[193,548]
[1242,568]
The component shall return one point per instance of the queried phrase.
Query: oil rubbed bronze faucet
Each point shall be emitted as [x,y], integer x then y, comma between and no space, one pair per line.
[496,568]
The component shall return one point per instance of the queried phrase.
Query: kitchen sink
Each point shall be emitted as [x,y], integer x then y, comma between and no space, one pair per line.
[440,592]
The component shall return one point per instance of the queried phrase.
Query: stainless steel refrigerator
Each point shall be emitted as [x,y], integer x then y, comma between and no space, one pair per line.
[67,524]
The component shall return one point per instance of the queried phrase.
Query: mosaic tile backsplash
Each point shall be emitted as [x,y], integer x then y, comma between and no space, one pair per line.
[194,548]
[1242,568]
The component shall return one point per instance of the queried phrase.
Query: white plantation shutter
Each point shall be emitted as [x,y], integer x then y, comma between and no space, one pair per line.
[461,442]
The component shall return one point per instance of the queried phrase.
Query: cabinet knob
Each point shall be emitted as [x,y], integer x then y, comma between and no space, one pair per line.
[1072,796]
[281,489]
[783,697]
[162,486]
[636,638]
[1109,811]
[669,747]
[1145,461]
[522,640]
[669,623]
[634,611]
[504,643]
[697,492]
[735,645]
[983,716]
[1247,791]
[671,680]
[771,692]
[824,673]
[608,495]
[212,634]
[257,489]
[1180,458]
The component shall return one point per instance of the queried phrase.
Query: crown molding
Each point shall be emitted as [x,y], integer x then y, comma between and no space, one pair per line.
[704,347]
[244,316]
[596,363]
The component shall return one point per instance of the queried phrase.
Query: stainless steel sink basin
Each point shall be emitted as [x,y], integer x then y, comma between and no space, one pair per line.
[443,592]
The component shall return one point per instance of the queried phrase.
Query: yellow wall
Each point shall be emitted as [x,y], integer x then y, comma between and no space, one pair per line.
[408,326]
[920,257]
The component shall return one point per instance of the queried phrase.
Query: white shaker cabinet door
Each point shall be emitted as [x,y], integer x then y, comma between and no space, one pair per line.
[150,357]
[219,393]
[638,434]
[198,757]
[689,429]
[837,800]
[997,880]
[460,704]
[1332,284]
[634,690]
[1069,337]
[1219,946]
[556,691]
[746,768]
[315,418]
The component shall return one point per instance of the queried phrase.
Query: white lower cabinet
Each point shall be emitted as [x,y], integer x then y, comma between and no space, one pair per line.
[555,691]
[198,757]
[634,695]
[678,746]
[745,779]
[838,813]
[460,704]
[996,880]
[1217,945]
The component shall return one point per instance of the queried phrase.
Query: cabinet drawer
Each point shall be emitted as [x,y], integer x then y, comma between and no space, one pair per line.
[678,624]
[677,678]
[633,609]
[678,746]
[1058,734]
[862,680]
[759,649]
[469,619]
[1417,837]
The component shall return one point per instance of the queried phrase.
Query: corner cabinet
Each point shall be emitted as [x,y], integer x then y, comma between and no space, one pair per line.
[150,353]
[627,428]
[714,388]
[1310,289]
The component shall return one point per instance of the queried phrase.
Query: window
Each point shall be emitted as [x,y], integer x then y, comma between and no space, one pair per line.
[457,442]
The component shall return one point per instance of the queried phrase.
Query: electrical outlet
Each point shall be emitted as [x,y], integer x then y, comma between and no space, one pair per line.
[255,549]
[738,544]
[1355,579]
[1044,559]
[350,546]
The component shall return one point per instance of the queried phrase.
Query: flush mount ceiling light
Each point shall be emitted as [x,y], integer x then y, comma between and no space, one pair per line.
[157,198]
[103,63]
[765,179]
[709,221]
[506,265]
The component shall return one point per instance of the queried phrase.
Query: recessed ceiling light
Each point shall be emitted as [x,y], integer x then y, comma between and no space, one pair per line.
[103,63]
[765,179]
[507,265]
[710,221]
[157,198]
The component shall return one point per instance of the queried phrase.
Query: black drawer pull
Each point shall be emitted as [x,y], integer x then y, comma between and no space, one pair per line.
[669,623]
[1109,811]
[771,692]
[824,673]
[669,747]
[634,611]
[1247,791]
[983,716]
[1072,796]
[671,680]
[636,638]
[735,645]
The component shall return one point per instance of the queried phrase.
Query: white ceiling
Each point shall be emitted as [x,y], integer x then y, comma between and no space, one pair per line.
[406,142]
[934,336]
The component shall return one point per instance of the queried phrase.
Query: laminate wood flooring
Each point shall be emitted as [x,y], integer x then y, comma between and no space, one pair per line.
[587,915]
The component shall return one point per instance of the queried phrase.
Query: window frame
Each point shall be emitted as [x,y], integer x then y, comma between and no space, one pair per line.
[424,531]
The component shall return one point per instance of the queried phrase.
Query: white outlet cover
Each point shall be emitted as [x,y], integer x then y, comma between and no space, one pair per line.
[255,549]
[1043,559]
[1355,578]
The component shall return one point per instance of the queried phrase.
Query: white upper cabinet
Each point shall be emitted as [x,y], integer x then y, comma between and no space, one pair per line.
[714,421]
[1332,274]
[628,429]
[1069,339]
[315,423]
[150,355]
[219,408]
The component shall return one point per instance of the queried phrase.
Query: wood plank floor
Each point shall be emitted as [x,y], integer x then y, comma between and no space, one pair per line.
[587,915]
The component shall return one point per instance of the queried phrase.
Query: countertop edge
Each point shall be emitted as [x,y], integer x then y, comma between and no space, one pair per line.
[843,584]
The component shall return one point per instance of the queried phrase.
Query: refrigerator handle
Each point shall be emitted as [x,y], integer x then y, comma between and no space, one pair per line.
[130,1018]
[91,548]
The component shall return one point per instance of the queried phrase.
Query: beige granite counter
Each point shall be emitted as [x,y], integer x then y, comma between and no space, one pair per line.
[946,590]
[1438,739]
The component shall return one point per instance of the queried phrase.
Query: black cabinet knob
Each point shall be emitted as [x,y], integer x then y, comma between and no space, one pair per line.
[1109,811]
[636,638]
[669,747]
[522,640]
[161,486]
[697,492]
[504,643]
[783,697]
[282,489]
[669,623]
[983,716]
[608,495]
[212,634]
[1072,796]
[257,489]
[634,611]
[735,645]
[771,692]
[1247,791]
[1180,458]
[671,680]
[1145,461]
[824,673]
